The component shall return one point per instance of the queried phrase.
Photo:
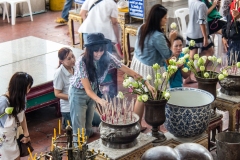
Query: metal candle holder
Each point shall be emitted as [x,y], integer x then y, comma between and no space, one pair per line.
[79,152]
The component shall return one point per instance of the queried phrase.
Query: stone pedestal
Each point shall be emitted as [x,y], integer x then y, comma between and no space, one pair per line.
[215,125]
[232,105]
[144,142]
[173,141]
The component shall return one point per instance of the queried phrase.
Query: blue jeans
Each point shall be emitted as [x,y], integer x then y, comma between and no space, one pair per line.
[66,9]
[66,117]
[82,109]
[109,44]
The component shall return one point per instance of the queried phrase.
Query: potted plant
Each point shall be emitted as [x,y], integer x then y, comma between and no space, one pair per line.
[154,105]
[207,77]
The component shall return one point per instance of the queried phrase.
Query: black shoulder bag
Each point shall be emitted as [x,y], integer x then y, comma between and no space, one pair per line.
[94,4]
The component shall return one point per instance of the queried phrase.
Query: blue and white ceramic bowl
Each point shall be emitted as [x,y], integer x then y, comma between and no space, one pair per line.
[188,111]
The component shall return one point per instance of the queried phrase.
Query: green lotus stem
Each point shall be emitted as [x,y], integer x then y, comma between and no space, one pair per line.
[2,115]
[214,71]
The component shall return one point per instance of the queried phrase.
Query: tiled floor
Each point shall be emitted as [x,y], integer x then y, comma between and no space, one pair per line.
[40,122]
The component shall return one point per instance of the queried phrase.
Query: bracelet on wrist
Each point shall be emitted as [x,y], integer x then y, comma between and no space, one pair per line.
[26,136]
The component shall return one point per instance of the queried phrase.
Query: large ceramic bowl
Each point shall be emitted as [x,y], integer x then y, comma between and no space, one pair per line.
[188,111]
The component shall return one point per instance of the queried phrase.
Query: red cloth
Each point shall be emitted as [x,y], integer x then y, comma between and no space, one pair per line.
[232,6]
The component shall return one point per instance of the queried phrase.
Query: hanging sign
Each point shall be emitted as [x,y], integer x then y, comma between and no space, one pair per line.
[136,8]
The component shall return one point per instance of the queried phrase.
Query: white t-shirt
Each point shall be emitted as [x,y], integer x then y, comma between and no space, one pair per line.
[98,19]
[61,82]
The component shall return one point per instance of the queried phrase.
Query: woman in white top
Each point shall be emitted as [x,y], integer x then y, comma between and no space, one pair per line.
[19,85]
[61,84]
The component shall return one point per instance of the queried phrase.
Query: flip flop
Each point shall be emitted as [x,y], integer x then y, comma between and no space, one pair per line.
[143,129]
[61,21]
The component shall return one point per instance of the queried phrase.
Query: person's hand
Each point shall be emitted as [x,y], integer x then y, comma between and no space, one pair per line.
[151,89]
[235,13]
[179,65]
[173,35]
[215,3]
[103,102]
[225,44]
[205,42]
[25,139]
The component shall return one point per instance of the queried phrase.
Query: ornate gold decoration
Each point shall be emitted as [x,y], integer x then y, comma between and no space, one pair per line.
[75,17]
[229,106]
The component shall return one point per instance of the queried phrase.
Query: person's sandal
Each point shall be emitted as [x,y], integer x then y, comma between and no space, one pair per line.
[61,21]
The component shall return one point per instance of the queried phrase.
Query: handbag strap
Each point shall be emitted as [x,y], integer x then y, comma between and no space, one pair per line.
[94,4]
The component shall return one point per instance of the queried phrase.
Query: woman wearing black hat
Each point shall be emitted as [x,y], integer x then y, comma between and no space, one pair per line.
[90,70]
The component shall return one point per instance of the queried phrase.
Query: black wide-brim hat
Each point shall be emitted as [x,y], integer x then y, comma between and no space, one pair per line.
[95,38]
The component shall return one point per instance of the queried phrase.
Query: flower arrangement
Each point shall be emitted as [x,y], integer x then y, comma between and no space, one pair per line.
[199,67]
[160,84]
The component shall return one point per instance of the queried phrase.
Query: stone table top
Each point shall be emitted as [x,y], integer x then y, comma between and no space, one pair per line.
[235,99]
[179,140]
[38,57]
[142,140]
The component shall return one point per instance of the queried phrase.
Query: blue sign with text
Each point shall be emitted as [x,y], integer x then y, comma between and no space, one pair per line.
[79,1]
[136,8]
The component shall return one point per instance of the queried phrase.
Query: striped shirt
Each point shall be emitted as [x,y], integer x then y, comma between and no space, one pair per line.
[81,71]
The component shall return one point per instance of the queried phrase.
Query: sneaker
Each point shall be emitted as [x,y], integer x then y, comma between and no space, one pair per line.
[61,21]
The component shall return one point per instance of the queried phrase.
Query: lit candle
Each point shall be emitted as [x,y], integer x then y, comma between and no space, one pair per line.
[54,133]
[35,156]
[59,126]
[52,144]
[30,153]
[83,134]
[79,144]
[68,122]
[41,154]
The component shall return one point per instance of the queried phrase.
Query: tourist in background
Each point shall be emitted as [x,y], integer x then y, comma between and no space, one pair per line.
[176,79]
[215,23]
[231,32]
[198,29]
[61,85]
[65,12]
[19,85]
[90,70]
[151,47]
[100,18]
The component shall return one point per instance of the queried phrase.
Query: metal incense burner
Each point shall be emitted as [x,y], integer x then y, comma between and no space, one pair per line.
[120,135]
[120,125]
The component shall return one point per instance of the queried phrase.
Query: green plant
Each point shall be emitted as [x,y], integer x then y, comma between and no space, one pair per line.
[160,84]
[199,65]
